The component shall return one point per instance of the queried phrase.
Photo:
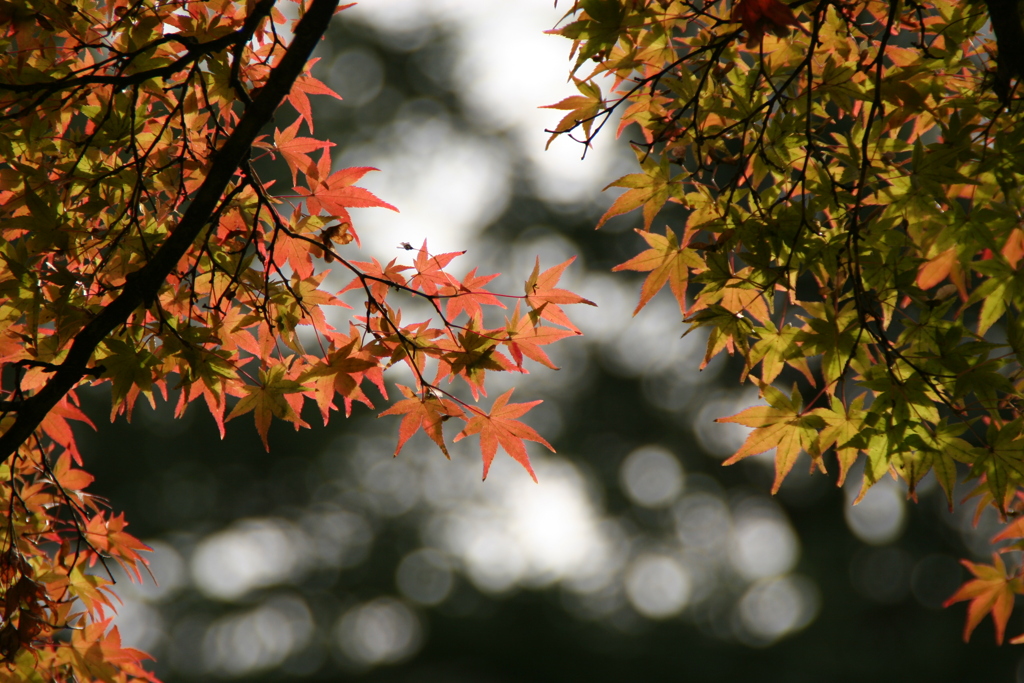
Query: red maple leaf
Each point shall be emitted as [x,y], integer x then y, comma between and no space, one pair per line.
[501,427]
[760,16]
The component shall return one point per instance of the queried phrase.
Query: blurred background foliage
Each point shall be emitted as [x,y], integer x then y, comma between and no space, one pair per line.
[638,557]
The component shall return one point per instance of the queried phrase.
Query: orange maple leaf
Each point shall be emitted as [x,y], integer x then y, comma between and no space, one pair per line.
[296,150]
[276,395]
[428,414]
[991,591]
[544,298]
[341,372]
[501,427]
[781,425]
[760,16]
[305,85]
[668,261]
[337,194]
[430,277]
[525,339]
[471,295]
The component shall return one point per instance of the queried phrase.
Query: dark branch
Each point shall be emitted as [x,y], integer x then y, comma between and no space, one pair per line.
[147,281]
[1005,18]
[193,51]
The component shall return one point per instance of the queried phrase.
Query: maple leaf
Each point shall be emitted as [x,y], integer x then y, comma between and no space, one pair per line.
[296,150]
[306,85]
[96,649]
[69,478]
[430,277]
[728,331]
[776,349]
[471,296]
[336,194]
[270,399]
[525,339]
[106,532]
[544,298]
[760,16]
[842,426]
[582,109]
[470,355]
[780,425]
[1013,250]
[130,370]
[936,270]
[428,413]
[341,373]
[57,427]
[500,427]
[1002,463]
[991,591]
[668,261]
[650,189]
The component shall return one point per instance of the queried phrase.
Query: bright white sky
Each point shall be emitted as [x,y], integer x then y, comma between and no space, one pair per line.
[447,184]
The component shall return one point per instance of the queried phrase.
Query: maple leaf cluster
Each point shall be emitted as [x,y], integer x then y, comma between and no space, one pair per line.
[140,248]
[844,215]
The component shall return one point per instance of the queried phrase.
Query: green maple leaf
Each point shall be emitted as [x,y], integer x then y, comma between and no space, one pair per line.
[669,263]
[780,425]
[842,426]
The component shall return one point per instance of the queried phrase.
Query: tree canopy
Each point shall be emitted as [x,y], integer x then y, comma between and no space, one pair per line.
[846,180]
[142,248]
[851,179]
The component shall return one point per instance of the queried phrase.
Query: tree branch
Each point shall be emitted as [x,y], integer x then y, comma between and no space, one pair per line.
[1005,18]
[145,283]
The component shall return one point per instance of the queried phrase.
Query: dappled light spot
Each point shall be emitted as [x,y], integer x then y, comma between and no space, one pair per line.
[250,554]
[394,484]
[258,639]
[763,542]
[651,476]
[357,75]
[382,631]
[658,586]
[451,183]
[772,608]
[650,344]
[879,517]
[519,532]
[339,538]
[702,521]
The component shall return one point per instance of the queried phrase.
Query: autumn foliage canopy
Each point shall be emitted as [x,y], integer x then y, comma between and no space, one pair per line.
[849,178]
[141,248]
[847,181]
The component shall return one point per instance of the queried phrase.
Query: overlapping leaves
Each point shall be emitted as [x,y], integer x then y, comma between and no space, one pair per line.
[849,186]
